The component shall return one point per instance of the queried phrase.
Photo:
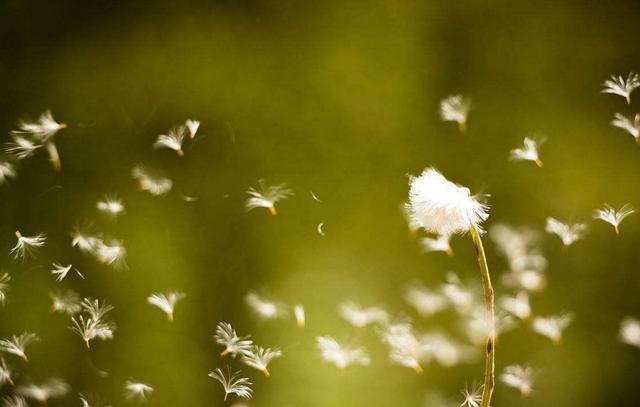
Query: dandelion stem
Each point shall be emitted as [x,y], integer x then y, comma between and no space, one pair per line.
[489,368]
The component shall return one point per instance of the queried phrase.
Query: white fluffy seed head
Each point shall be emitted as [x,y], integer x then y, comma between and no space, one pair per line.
[440,206]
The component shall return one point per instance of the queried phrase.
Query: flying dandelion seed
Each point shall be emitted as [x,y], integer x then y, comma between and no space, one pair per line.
[40,132]
[91,400]
[520,247]
[617,85]
[172,140]
[518,377]
[263,308]
[455,108]
[43,129]
[569,234]
[61,271]
[21,147]
[110,206]
[405,349]
[5,373]
[426,302]
[14,401]
[528,152]
[85,240]
[67,302]
[480,326]
[233,383]
[166,302]
[93,325]
[552,326]
[4,287]
[112,253]
[52,388]
[460,296]
[612,216]
[517,306]
[137,390]
[341,356]
[630,331]
[361,317]
[27,246]
[7,171]
[298,312]
[472,395]
[155,185]
[315,197]
[631,126]
[266,196]
[259,358]
[233,344]
[17,344]
[192,126]
[441,243]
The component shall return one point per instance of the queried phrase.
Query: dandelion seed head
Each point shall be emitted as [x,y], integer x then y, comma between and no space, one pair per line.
[442,207]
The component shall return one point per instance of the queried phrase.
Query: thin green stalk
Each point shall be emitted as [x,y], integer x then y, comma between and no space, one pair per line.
[489,301]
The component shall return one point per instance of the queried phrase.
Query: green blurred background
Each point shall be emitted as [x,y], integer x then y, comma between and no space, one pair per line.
[339,98]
